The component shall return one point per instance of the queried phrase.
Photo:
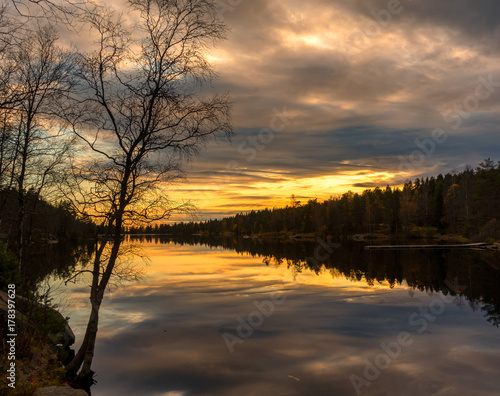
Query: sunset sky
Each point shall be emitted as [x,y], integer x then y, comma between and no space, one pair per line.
[345,89]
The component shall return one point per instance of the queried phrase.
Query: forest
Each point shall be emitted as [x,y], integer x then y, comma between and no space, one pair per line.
[465,204]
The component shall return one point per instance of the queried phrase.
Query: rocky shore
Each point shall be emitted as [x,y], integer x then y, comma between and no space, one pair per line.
[39,359]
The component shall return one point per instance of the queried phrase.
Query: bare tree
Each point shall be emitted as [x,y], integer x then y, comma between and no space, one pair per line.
[65,12]
[141,116]
[34,147]
[9,34]
[7,153]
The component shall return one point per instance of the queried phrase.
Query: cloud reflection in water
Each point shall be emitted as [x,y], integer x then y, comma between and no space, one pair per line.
[164,337]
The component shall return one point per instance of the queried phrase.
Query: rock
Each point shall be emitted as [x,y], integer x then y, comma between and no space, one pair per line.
[65,338]
[60,391]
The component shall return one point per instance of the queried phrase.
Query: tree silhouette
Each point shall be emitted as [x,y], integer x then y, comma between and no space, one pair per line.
[140,115]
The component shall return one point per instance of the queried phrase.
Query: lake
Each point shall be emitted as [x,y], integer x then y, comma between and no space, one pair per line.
[258,318]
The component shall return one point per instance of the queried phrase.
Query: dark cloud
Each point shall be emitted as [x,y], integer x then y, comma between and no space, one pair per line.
[356,104]
[366,185]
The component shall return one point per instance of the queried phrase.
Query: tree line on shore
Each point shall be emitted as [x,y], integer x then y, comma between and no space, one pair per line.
[44,222]
[465,203]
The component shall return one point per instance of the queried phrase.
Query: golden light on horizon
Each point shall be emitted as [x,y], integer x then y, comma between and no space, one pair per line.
[234,196]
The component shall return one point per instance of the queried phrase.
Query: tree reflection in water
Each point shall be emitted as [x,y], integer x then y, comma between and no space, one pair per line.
[474,273]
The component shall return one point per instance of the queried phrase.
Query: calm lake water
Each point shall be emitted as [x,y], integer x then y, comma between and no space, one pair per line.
[255,318]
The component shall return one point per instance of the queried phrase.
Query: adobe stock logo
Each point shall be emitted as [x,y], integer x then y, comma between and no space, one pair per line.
[419,321]
[471,103]
[426,147]
[255,319]
[485,88]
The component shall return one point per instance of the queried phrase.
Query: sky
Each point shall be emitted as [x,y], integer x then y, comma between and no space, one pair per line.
[336,95]
[331,96]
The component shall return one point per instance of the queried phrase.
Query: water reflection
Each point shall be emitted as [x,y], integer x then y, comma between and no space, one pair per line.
[165,336]
[57,260]
[475,274]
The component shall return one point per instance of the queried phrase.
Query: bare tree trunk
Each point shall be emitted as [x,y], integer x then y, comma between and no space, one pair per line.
[73,367]
[85,354]
[20,229]
[21,201]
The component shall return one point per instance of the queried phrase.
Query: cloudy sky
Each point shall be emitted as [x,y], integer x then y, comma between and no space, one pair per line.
[332,95]
[337,95]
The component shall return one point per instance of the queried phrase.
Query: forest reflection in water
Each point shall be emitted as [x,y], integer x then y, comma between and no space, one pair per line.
[474,274]
[165,335]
